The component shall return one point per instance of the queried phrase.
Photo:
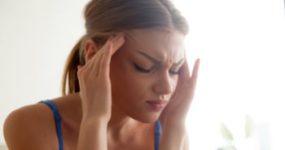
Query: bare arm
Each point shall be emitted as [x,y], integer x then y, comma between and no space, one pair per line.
[96,95]
[27,129]
[173,118]
[93,135]
[173,138]
[186,143]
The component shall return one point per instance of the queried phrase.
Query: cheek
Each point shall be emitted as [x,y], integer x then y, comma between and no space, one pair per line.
[126,84]
[129,85]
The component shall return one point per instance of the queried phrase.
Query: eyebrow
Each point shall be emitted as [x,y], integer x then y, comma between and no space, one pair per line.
[154,60]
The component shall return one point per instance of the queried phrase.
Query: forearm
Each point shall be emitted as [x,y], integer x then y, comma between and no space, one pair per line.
[173,138]
[93,135]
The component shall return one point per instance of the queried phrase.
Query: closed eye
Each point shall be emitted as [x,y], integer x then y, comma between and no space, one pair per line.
[141,69]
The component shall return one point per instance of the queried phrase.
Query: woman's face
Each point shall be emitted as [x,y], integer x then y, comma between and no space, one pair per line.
[144,72]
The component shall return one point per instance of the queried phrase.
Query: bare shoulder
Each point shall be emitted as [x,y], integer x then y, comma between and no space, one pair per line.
[33,127]
[30,127]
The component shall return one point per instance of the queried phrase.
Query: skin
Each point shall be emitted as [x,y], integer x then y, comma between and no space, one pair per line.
[109,114]
[156,52]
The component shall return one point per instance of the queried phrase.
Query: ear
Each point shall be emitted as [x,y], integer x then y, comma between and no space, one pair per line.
[90,49]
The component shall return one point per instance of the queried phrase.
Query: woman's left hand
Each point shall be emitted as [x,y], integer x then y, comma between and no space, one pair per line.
[178,106]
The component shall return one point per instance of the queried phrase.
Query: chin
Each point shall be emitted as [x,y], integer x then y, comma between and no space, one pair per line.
[150,118]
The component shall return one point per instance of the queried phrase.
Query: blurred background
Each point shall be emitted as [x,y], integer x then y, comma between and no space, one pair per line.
[240,96]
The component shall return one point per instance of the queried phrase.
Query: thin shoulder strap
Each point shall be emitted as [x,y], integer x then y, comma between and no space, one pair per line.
[157,135]
[57,118]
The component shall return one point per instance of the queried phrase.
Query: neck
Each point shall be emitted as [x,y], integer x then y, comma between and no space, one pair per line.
[122,127]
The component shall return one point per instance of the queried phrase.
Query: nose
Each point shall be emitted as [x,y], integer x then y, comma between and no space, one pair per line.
[164,84]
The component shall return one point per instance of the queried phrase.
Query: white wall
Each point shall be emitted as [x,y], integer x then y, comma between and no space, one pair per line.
[242,49]
[35,39]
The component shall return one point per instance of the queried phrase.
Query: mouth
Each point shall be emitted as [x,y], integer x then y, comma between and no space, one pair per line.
[156,105]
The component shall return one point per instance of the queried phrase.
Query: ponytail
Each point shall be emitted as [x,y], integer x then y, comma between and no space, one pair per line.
[70,79]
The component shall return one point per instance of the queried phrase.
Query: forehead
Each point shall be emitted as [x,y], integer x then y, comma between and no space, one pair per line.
[160,43]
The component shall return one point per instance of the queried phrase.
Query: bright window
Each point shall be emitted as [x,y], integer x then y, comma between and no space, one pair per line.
[242,75]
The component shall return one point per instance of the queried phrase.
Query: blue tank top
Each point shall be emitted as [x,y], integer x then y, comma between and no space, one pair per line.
[57,119]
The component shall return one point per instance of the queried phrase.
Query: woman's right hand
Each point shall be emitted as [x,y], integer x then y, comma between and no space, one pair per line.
[94,81]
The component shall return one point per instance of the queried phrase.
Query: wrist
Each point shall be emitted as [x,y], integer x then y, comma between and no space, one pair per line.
[92,121]
[173,125]
[174,129]
[173,136]
[86,116]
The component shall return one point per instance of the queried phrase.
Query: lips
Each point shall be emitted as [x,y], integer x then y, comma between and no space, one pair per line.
[157,102]
[156,105]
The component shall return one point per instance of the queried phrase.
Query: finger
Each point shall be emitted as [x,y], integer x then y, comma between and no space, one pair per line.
[105,65]
[87,67]
[194,73]
[194,76]
[105,52]
[95,66]
[190,85]
[118,42]
[106,45]
[184,73]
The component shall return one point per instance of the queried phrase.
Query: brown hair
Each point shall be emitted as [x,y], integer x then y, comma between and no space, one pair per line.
[106,17]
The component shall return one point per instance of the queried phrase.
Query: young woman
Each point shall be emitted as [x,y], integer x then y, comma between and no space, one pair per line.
[128,85]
